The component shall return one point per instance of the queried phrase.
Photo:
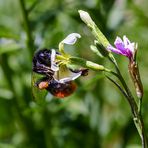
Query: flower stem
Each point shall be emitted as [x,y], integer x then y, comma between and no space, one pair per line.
[137,117]
[95,30]
[87,64]
[30,42]
[136,110]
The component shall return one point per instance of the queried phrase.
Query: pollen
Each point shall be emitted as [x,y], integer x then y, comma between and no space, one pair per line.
[43,85]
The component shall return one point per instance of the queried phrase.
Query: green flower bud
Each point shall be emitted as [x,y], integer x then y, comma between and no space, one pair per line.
[86,18]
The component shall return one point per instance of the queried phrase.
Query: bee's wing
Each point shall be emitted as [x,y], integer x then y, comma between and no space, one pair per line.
[38,95]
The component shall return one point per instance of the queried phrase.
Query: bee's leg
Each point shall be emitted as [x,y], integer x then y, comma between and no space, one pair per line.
[40,80]
[42,70]
[84,71]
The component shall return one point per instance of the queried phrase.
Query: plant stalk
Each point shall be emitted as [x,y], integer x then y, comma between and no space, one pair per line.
[30,41]
[137,117]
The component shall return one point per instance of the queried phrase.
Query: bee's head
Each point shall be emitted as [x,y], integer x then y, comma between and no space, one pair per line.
[43,57]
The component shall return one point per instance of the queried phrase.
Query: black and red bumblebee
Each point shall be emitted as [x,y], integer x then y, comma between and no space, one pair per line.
[42,65]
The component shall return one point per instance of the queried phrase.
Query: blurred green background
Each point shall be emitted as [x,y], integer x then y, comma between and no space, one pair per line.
[96,115]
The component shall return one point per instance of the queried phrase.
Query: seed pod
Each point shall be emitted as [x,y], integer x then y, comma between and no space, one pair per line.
[135,75]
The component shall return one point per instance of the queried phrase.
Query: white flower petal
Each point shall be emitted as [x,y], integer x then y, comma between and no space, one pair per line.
[54,66]
[75,75]
[70,78]
[64,80]
[131,47]
[71,38]
[128,44]
[85,17]
[126,41]
[118,41]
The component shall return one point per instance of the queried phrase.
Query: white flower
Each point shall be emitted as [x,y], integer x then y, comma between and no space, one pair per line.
[62,72]
[71,38]
[54,66]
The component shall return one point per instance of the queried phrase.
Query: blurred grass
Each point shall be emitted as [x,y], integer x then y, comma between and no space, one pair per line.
[97,114]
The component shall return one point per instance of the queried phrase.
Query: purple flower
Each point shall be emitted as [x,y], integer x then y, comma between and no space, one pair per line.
[123,47]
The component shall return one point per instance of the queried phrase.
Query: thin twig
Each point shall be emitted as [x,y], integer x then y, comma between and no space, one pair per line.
[33,6]
[137,117]
[120,88]
[30,41]
[130,98]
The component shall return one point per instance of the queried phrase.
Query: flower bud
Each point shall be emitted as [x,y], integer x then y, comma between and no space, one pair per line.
[95,66]
[96,51]
[86,17]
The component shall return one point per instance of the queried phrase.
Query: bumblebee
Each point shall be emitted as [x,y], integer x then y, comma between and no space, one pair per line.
[42,66]
[42,63]
[59,90]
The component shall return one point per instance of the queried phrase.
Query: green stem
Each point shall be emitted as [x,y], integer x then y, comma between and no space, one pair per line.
[137,117]
[95,30]
[87,64]
[30,41]
[99,36]
[139,105]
